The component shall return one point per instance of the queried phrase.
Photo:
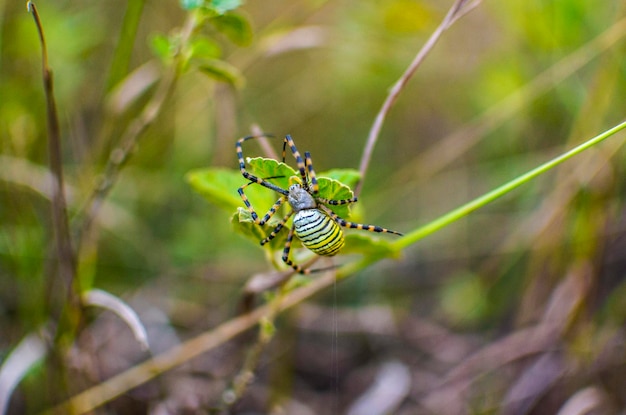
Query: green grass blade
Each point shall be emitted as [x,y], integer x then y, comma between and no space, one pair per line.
[460,212]
[124,48]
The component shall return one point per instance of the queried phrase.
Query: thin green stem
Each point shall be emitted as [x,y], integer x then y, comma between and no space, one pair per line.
[124,48]
[481,201]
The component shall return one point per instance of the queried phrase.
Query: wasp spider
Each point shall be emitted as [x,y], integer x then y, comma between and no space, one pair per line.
[317,227]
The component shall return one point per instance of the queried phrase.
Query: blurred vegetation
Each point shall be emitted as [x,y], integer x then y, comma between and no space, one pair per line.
[517,308]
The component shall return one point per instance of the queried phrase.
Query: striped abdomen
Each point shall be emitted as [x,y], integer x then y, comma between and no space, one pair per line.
[318,232]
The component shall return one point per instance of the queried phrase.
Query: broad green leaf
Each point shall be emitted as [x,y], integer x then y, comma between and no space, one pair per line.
[162,47]
[244,224]
[204,48]
[281,172]
[222,71]
[235,27]
[219,186]
[328,187]
[349,177]
[265,168]
[364,242]
[334,190]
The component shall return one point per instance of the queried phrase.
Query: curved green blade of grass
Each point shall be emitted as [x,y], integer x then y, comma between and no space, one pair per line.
[462,211]
[124,47]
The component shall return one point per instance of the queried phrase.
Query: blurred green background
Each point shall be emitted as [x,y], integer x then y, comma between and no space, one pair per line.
[509,86]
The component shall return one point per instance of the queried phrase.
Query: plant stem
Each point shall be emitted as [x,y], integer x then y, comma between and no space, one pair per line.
[133,133]
[458,10]
[65,252]
[481,201]
[124,47]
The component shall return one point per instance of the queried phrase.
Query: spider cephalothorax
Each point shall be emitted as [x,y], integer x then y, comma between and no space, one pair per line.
[299,198]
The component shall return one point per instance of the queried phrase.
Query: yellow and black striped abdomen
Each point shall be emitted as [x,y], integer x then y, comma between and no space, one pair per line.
[318,232]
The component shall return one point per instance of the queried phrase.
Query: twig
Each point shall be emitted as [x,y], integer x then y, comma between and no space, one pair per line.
[60,222]
[244,377]
[131,136]
[268,150]
[137,375]
[459,9]
[121,154]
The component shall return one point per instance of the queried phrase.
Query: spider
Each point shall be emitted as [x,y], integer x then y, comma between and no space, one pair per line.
[317,227]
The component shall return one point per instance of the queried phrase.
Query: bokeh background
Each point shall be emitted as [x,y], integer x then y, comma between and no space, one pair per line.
[517,308]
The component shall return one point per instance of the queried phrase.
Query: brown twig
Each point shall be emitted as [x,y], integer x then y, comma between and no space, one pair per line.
[60,222]
[459,9]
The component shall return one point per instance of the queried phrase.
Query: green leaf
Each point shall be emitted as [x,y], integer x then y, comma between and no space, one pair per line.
[363,242]
[222,71]
[234,26]
[328,187]
[349,177]
[120,62]
[218,186]
[262,199]
[335,190]
[204,48]
[243,224]
[162,47]
[265,168]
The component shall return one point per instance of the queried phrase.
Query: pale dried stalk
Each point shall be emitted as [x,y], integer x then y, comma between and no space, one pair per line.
[459,9]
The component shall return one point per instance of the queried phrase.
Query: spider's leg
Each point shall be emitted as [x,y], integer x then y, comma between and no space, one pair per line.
[253,179]
[286,251]
[284,149]
[272,211]
[297,156]
[308,161]
[239,143]
[295,266]
[246,202]
[277,229]
[352,225]
[249,176]
[242,162]
[253,213]
[336,202]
